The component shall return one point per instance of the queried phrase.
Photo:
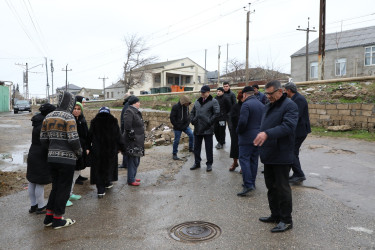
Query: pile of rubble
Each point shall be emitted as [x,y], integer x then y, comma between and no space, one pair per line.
[162,135]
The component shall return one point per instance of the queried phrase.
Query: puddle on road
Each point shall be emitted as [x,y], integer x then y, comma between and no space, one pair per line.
[13,161]
[9,126]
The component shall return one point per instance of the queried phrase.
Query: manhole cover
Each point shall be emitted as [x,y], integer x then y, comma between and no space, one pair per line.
[194,231]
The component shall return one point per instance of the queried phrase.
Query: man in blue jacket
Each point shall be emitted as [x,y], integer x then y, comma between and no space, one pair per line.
[276,141]
[247,129]
[302,130]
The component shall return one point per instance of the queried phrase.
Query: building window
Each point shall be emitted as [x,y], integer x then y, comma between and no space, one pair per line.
[340,66]
[170,80]
[132,92]
[188,79]
[107,94]
[111,94]
[182,64]
[369,56]
[314,70]
[157,78]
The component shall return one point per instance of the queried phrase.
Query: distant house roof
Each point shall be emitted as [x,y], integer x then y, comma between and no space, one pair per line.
[347,39]
[94,91]
[163,64]
[212,74]
[118,84]
[70,86]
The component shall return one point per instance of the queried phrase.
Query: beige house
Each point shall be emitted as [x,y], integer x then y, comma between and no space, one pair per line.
[182,72]
[91,94]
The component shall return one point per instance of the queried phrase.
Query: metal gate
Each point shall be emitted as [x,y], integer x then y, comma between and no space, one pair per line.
[4,98]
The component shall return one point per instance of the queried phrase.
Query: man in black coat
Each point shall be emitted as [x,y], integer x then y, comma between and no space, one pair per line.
[302,130]
[220,124]
[259,95]
[180,119]
[232,99]
[276,141]
[203,116]
[126,106]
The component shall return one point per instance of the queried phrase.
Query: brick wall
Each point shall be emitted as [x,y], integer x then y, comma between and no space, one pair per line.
[151,118]
[357,115]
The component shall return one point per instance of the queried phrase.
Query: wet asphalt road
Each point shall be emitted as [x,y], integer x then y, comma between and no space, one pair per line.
[333,209]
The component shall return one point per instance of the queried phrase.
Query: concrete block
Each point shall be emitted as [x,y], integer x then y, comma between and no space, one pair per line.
[160,141]
[366,113]
[360,118]
[321,111]
[320,106]
[344,111]
[367,106]
[342,106]
[331,106]
[312,111]
[324,117]
[332,111]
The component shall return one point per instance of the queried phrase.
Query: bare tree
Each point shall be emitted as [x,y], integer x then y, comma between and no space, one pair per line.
[236,69]
[136,61]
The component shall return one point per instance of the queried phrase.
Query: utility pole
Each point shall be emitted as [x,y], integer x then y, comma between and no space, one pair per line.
[47,90]
[247,44]
[322,39]
[308,30]
[26,77]
[52,69]
[218,67]
[205,64]
[103,78]
[66,76]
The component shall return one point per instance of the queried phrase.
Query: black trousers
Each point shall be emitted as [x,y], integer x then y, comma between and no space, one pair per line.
[208,142]
[220,132]
[62,179]
[297,170]
[279,192]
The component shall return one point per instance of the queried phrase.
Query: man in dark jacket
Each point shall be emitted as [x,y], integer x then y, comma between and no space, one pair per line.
[232,99]
[247,129]
[180,119]
[134,139]
[259,95]
[220,124]
[276,141]
[302,130]
[126,106]
[59,135]
[203,116]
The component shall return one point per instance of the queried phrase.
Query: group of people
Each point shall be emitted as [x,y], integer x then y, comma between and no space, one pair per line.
[63,145]
[271,126]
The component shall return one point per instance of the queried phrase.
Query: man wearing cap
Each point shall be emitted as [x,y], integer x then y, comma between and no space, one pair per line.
[247,129]
[302,130]
[276,141]
[203,116]
[180,119]
[220,124]
[259,95]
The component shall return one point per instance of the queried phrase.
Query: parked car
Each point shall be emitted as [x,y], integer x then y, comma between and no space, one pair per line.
[21,105]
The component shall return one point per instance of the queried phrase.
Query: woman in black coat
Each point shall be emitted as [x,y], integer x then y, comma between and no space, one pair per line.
[38,173]
[83,131]
[134,139]
[234,116]
[103,144]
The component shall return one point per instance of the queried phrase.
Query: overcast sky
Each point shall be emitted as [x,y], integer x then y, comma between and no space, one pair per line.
[89,35]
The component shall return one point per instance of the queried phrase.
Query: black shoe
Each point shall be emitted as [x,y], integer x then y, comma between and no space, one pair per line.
[219,146]
[33,208]
[245,191]
[109,185]
[269,219]
[195,166]
[175,157]
[122,166]
[41,210]
[297,179]
[82,178]
[191,150]
[282,227]
[48,220]
[209,168]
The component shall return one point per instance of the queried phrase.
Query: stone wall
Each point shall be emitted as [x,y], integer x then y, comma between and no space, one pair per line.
[151,118]
[357,115]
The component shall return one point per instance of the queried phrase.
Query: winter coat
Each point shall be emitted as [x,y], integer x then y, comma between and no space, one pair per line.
[261,97]
[37,165]
[104,141]
[225,106]
[83,132]
[59,132]
[231,97]
[279,122]
[234,117]
[126,106]
[180,115]
[134,132]
[249,122]
[303,126]
[204,114]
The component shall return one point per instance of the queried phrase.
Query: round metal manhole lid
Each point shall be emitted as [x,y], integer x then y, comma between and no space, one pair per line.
[195,231]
